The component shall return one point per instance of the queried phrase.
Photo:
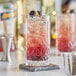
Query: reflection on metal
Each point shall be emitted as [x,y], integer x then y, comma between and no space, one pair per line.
[6,43]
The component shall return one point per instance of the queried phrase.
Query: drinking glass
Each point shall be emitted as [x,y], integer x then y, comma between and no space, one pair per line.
[7,32]
[38,40]
[66,38]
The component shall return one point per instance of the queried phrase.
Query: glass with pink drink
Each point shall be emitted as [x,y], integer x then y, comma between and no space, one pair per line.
[37,39]
[66,38]
[63,33]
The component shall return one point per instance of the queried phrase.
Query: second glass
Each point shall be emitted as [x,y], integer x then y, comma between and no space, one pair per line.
[66,38]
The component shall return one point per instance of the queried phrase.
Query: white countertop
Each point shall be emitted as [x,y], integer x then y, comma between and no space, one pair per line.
[18,57]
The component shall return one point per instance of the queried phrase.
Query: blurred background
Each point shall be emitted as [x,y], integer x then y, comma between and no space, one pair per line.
[48,7]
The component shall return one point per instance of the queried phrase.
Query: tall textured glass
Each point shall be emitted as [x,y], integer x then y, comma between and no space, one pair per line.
[66,38]
[38,40]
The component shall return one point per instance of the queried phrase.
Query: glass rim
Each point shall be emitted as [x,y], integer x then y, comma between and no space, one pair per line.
[61,14]
[36,16]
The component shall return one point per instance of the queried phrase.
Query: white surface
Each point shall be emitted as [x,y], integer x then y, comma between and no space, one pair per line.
[12,69]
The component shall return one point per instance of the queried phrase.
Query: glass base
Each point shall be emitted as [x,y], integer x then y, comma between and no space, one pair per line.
[37,63]
[38,68]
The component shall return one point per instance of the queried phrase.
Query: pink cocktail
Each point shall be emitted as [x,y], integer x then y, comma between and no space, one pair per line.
[38,38]
[63,32]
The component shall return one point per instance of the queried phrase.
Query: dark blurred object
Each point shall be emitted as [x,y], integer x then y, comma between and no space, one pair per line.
[38,68]
[34,13]
[65,5]
[72,11]
[65,2]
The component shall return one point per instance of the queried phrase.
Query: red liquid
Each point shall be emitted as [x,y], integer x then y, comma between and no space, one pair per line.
[37,50]
[63,45]
[37,53]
